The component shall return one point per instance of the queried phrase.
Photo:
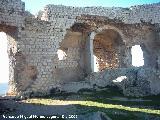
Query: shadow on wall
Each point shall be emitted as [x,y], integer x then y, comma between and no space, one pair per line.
[68,62]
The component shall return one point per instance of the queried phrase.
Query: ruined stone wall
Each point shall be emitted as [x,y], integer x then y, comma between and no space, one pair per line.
[134,14]
[147,13]
[35,41]
[11,22]
[38,47]
[11,12]
[51,70]
[67,17]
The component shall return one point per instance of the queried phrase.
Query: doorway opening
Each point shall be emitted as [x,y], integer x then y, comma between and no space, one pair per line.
[137,56]
[107,49]
[4,64]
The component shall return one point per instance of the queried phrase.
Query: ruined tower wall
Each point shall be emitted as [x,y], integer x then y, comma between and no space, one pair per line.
[35,61]
[11,12]
[43,39]
[11,22]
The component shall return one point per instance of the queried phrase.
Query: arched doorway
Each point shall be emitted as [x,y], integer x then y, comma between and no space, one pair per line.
[4,64]
[8,37]
[107,50]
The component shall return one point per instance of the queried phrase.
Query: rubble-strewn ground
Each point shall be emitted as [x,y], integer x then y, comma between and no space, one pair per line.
[109,101]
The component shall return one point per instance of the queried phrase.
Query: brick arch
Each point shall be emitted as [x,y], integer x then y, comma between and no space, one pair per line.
[120,44]
[100,29]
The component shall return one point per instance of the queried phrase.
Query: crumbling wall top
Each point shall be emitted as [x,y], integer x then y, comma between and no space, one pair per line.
[134,14]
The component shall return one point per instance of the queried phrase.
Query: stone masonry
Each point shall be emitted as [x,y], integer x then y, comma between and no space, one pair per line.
[108,33]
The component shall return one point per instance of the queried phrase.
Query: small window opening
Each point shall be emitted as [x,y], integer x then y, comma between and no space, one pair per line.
[137,56]
[61,55]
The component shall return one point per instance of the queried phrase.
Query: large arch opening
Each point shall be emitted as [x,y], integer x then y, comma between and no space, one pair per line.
[108,49]
[4,64]
[8,69]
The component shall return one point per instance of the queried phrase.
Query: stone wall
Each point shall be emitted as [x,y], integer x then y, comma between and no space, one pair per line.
[40,49]
[147,13]
[11,22]
[134,14]
[132,35]
[34,62]
[11,12]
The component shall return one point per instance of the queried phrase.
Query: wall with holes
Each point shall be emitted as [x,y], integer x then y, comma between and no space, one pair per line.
[36,66]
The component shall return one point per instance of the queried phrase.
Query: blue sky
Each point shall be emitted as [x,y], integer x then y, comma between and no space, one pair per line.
[35,5]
